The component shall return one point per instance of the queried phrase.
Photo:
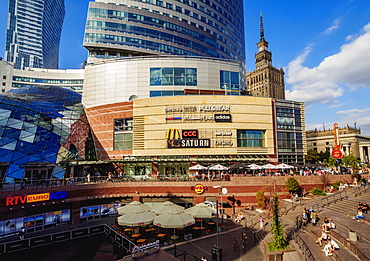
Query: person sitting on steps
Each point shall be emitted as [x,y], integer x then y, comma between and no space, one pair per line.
[323,236]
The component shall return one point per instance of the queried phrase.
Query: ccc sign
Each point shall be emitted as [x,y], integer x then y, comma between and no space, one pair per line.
[190,134]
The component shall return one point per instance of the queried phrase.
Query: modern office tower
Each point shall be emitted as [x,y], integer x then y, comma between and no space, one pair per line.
[33,33]
[125,28]
[265,80]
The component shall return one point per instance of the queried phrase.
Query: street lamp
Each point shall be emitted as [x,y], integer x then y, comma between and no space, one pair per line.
[223,191]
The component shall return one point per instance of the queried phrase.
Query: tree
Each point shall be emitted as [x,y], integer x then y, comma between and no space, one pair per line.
[350,160]
[260,198]
[312,156]
[330,161]
[292,184]
[279,243]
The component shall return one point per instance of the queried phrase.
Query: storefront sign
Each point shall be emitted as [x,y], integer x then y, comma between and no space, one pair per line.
[188,134]
[222,133]
[173,134]
[188,143]
[199,189]
[223,143]
[223,117]
[12,201]
[200,108]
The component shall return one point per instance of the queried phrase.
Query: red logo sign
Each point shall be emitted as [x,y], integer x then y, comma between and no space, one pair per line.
[189,134]
[337,153]
[199,189]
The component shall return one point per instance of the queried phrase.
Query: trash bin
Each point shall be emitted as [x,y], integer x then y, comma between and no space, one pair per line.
[216,250]
[352,235]
[188,236]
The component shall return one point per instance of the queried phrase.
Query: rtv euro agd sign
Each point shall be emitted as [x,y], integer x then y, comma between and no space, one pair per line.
[12,201]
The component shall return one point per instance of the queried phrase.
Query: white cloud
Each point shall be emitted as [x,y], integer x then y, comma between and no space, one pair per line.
[336,104]
[326,82]
[333,27]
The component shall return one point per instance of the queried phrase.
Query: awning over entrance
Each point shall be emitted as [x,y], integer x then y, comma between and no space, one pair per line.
[258,159]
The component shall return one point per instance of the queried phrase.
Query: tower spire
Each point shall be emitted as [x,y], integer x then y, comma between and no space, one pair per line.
[262,32]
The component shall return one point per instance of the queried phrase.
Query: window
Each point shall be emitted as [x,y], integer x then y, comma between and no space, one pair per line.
[169,6]
[173,76]
[4,77]
[251,138]
[229,80]
[123,141]
[123,124]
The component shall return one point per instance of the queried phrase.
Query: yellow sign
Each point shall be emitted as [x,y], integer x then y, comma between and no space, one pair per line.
[173,134]
[38,197]
[199,189]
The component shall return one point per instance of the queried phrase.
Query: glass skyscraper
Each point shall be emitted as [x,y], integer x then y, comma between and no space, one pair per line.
[126,28]
[33,33]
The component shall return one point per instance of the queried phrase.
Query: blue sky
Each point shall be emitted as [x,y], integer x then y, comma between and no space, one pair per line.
[323,46]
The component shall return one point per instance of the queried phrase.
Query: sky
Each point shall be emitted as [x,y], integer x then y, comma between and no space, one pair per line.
[323,47]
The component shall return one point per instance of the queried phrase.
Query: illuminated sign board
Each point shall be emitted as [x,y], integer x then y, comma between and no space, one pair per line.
[12,201]
[188,143]
[199,189]
[223,117]
[188,134]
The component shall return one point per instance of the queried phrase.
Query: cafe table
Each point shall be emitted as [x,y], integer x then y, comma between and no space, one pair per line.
[135,235]
[161,235]
[141,240]
[149,229]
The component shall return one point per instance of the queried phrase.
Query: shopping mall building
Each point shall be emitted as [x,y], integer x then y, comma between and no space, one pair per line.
[161,93]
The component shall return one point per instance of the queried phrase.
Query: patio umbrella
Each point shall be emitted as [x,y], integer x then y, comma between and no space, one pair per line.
[174,220]
[167,207]
[269,166]
[197,167]
[284,166]
[254,166]
[218,167]
[136,219]
[201,211]
[134,206]
[238,165]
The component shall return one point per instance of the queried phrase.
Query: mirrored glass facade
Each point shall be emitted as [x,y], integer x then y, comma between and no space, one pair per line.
[39,128]
[33,33]
[192,28]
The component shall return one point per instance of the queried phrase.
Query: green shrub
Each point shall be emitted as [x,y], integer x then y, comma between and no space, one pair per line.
[260,198]
[336,185]
[318,192]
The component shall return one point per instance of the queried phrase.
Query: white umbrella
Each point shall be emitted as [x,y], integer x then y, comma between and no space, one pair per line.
[284,166]
[136,219]
[201,211]
[254,166]
[269,166]
[167,207]
[133,207]
[218,167]
[197,167]
[174,220]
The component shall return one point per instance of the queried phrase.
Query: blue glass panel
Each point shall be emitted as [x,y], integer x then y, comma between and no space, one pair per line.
[155,93]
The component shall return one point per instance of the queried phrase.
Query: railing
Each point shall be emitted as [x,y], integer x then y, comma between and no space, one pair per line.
[359,190]
[349,245]
[177,253]
[49,239]
[302,245]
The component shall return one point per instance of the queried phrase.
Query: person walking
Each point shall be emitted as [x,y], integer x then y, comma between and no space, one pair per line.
[244,239]
[314,217]
[22,232]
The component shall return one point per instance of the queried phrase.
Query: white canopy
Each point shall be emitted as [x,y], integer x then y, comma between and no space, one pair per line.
[218,167]
[254,166]
[197,167]
[201,210]
[284,166]
[133,207]
[136,219]
[167,207]
[174,220]
[269,166]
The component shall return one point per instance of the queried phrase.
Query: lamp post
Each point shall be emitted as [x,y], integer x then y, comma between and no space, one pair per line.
[223,191]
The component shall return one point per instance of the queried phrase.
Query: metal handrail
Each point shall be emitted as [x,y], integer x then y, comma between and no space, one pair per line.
[303,246]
